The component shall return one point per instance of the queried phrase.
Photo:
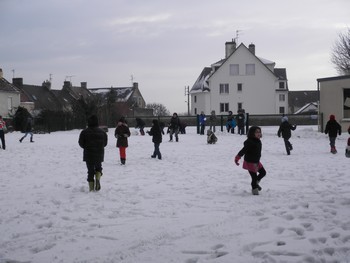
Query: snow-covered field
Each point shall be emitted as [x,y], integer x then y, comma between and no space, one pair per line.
[193,206]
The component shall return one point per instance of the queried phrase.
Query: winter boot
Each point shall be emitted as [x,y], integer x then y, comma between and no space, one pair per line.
[333,150]
[20,140]
[255,191]
[31,140]
[91,186]
[97,181]
[122,161]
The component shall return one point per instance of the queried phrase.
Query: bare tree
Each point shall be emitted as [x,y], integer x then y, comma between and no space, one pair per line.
[341,54]
[158,109]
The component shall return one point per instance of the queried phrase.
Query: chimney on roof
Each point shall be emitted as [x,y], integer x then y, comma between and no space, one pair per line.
[18,82]
[252,48]
[67,84]
[1,73]
[230,47]
[135,85]
[83,85]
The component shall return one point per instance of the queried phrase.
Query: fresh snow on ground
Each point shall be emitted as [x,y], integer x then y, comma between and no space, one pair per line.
[193,206]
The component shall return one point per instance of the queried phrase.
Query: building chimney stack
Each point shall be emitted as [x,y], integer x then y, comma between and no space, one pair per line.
[230,47]
[1,73]
[252,48]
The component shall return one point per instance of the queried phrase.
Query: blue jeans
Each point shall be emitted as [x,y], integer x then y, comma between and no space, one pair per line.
[157,151]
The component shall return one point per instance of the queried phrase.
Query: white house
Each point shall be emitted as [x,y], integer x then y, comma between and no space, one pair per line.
[241,81]
[9,97]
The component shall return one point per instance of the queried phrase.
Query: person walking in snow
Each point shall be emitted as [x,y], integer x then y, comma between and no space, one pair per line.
[252,153]
[174,127]
[93,140]
[140,124]
[2,132]
[285,130]
[156,133]
[122,132]
[28,130]
[202,121]
[333,128]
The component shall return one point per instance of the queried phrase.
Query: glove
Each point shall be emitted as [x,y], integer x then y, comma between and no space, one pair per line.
[237,158]
[126,136]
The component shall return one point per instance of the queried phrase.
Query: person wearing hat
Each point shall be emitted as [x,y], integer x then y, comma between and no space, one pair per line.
[93,140]
[333,129]
[285,130]
[122,132]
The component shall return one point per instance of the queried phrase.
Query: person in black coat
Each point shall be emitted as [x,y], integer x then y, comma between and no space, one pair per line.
[156,133]
[285,130]
[140,124]
[333,128]
[240,119]
[93,140]
[122,132]
[252,153]
[174,127]
[28,130]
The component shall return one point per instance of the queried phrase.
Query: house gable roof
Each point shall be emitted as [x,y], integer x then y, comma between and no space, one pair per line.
[42,97]
[300,98]
[7,86]
[201,83]
[123,94]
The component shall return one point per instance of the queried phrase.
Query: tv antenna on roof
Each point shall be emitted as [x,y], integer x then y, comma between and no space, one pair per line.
[69,77]
[132,78]
[237,34]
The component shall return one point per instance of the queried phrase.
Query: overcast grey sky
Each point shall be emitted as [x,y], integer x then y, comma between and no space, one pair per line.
[164,44]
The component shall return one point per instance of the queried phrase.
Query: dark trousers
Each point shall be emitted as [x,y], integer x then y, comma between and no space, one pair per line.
[256,177]
[241,130]
[202,129]
[157,151]
[2,137]
[288,145]
[93,167]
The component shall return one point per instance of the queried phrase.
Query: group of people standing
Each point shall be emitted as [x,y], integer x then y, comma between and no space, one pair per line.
[232,122]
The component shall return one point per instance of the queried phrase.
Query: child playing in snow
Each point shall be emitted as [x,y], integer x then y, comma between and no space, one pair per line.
[333,128]
[122,132]
[156,133]
[93,140]
[285,130]
[252,153]
[211,137]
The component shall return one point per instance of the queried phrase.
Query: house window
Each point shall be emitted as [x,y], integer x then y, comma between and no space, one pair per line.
[250,69]
[240,105]
[282,110]
[195,111]
[239,86]
[224,88]
[9,103]
[195,99]
[346,106]
[234,69]
[282,97]
[224,107]
[281,85]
